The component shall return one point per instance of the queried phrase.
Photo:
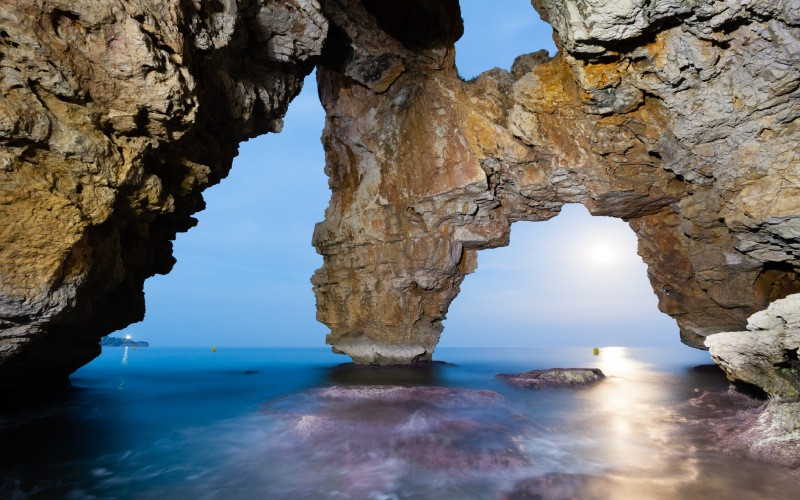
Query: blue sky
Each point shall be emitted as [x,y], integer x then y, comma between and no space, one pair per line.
[242,277]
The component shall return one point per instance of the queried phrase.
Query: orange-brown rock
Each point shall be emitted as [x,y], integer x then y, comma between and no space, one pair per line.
[679,118]
[114,116]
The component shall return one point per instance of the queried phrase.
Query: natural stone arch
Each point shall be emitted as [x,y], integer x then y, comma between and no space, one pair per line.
[426,169]
[116,116]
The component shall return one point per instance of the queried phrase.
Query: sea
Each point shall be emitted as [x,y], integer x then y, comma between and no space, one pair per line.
[297,423]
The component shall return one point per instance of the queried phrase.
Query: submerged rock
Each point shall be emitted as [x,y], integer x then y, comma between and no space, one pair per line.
[765,431]
[553,377]
[404,427]
[442,397]
[420,373]
[773,435]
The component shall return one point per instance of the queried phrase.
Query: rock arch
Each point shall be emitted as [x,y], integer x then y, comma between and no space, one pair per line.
[641,122]
[680,118]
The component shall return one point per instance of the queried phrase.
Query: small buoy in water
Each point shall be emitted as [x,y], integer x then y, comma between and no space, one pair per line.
[596,351]
[214,349]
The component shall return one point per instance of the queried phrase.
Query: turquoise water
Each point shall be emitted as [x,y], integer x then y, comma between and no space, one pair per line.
[269,423]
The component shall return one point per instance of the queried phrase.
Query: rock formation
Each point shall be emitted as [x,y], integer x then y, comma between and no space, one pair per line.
[736,424]
[114,116]
[678,117]
[553,377]
[766,355]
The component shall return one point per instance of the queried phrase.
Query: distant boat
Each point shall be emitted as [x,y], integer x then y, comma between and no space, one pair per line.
[110,341]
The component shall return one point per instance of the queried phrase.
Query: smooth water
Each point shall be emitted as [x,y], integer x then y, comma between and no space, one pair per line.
[287,423]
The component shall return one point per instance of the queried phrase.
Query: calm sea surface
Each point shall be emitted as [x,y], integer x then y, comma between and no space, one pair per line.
[287,423]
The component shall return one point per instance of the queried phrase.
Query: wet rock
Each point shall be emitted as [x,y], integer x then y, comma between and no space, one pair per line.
[764,431]
[421,373]
[442,397]
[553,377]
[773,436]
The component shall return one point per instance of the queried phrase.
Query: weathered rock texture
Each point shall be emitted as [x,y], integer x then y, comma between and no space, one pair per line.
[553,377]
[114,116]
[681,117]
[767,354]
[735,423]
[678,117]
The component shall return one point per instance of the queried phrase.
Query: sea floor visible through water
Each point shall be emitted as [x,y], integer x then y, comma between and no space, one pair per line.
[292,423]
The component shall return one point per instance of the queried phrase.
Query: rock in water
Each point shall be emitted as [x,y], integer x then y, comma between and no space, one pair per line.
[738,424]
[766,355]
[554,377]
[553,486]
[773,436]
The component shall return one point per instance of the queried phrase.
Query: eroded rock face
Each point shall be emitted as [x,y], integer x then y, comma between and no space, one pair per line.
[766,355]
[114,116]
[678,117]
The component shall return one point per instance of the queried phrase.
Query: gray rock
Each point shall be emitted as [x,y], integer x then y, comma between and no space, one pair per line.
[554,377]
[737,424]
[766,355]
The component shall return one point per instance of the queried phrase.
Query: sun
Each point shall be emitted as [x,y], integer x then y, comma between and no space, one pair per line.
[601,253]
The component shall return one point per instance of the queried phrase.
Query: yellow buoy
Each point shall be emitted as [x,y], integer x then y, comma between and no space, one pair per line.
[596,351]
[214,349]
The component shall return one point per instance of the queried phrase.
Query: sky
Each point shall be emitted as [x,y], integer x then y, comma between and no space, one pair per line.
[242,276]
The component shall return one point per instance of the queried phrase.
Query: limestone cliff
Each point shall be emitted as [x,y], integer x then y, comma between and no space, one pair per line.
[680,117]
[114,116]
